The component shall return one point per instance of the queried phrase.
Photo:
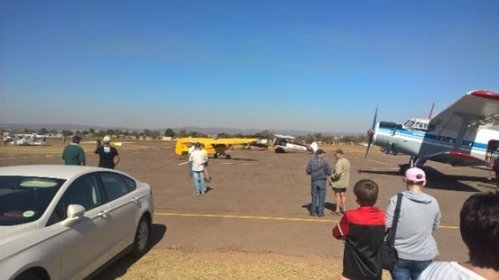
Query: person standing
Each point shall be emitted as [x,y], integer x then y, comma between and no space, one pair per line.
[419,216]
[108,155]
[340,181]
[198,160]
[73,154]
[363,231]
[318,169]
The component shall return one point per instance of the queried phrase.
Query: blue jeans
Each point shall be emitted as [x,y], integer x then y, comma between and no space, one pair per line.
[199,183]
[408,269]
[318,192]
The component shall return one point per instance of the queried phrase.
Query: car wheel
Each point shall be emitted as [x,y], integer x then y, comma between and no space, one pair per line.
[27,275]
[142,237]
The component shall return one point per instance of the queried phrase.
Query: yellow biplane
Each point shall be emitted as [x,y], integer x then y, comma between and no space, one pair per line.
[214,146]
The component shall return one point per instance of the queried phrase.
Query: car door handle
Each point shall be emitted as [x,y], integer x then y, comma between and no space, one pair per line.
[103,213]
[135,200]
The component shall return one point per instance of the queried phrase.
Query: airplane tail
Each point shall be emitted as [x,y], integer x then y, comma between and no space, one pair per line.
[314,146]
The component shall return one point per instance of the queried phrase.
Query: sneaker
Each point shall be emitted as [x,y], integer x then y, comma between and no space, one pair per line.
[337,213]
[312,214]
[320,215]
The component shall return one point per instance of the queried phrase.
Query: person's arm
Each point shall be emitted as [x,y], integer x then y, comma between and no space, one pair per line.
[329,170]
[436,223]
[338,169]
[116,159]
[390,209]
[309,169]
[341,230]
[82,157]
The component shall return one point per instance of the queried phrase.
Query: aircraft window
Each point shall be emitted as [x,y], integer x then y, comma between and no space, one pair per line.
[390,125]
[409,123]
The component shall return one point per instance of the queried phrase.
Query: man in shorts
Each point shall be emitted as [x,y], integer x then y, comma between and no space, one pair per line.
[340,179]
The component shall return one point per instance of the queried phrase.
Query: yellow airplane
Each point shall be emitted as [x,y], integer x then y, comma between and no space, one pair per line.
[214,147]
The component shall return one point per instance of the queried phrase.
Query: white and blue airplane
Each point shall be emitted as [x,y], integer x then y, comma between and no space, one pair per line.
[463,134]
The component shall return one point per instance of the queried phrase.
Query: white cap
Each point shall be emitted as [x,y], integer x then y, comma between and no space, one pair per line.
[106,139]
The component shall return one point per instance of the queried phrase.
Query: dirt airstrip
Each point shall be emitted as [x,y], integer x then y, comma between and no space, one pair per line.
[255,208]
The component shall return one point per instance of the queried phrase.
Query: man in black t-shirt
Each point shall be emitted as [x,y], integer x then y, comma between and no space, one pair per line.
[108,156]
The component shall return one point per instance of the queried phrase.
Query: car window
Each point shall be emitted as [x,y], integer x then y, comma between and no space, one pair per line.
[130,183]
[25,199]
[114,185]
[83,191]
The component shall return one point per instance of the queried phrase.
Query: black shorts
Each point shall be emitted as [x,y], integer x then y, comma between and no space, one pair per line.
[339,190]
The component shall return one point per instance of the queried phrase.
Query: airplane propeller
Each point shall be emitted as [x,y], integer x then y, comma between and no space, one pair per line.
[370,132]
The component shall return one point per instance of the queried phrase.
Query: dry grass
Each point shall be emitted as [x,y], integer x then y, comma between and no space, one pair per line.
[174,264]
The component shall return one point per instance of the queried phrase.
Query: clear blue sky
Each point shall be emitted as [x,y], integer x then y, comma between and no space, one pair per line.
[314,65]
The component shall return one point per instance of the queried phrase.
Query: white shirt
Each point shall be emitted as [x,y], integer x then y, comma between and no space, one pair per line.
[198,159]
[448,271]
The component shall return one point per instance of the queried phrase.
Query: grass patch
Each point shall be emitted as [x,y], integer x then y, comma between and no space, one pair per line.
[174,264]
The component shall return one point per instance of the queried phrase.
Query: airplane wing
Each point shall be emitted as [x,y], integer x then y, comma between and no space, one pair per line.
[233,141]
[476,108]
[284,136]
[458,158]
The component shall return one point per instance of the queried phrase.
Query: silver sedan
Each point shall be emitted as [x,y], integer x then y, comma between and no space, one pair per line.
[64,222]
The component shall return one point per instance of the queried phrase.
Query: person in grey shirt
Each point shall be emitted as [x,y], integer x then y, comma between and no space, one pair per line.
[419,216]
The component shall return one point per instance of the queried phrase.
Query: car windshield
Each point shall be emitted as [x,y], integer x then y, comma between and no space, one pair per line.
[25,199]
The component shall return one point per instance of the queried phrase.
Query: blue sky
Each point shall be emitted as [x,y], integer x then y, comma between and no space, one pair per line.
[310,65]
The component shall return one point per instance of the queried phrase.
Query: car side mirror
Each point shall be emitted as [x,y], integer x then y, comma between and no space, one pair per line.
[74,213]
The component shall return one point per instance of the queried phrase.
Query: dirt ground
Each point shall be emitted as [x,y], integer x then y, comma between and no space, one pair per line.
[256,206]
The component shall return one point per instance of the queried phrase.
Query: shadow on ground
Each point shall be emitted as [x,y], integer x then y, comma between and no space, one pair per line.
[440,181]
[119,267]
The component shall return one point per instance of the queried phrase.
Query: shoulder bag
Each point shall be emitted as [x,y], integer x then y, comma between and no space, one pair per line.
[388,253]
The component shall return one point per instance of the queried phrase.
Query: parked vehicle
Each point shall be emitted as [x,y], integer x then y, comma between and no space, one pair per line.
[65,222]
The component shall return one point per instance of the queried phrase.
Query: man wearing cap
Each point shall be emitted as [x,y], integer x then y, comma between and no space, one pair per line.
[108,156]
[73,154]
[318,169]
[419,216]
[340,181]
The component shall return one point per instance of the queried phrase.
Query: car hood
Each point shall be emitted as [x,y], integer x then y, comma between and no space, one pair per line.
[9,233]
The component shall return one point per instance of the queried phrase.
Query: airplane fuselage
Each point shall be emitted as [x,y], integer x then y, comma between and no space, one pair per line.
[397,139]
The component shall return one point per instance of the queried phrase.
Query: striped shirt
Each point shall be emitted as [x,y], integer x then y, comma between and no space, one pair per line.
[448,270]
[318,168]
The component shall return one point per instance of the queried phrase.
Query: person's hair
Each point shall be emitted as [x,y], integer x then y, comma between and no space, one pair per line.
[366,191]
[480,229]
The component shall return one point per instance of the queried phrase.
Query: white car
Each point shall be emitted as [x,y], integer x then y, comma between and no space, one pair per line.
[65,222]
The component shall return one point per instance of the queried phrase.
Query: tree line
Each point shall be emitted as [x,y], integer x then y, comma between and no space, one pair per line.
[169,132]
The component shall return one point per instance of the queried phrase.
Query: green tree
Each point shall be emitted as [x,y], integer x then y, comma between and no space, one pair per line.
[169,132]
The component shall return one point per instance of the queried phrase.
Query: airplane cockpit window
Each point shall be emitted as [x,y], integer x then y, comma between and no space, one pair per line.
[389,125]
[409,123]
